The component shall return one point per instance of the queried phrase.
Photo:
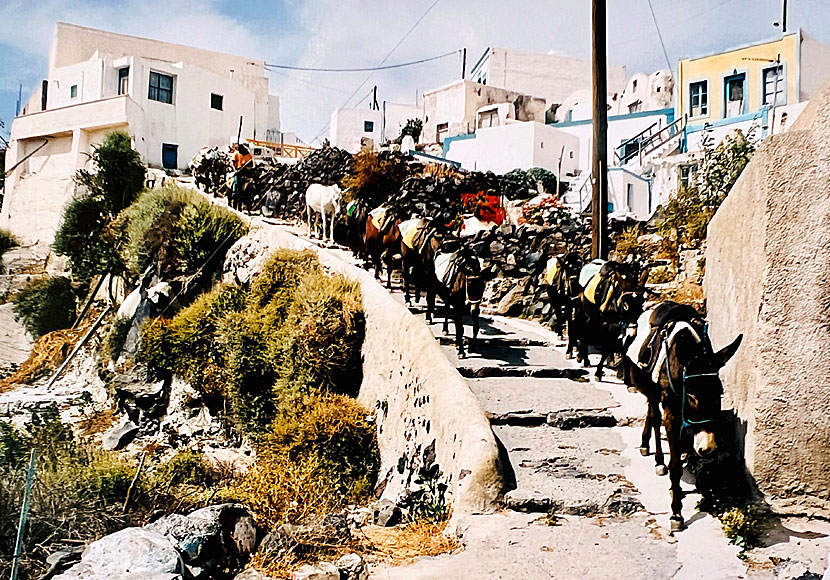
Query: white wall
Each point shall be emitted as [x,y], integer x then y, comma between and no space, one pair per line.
[347,128]
[620,182]
[516,146]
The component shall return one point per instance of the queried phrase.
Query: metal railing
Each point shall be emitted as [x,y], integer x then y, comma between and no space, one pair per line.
[648,140]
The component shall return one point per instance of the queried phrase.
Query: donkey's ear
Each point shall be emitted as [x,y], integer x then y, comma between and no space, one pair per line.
[727,352]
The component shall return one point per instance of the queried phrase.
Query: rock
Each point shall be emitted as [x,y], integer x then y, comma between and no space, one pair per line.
[567,419]
[218,536]
[352,567]
[251,574]
[496,248]
[140,395]
[512,302]
[119,436]
[331,529]
[322,571]
[386,514]
[129,554]
[359,517]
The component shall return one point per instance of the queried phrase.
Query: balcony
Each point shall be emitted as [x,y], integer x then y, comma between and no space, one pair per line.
[108,112]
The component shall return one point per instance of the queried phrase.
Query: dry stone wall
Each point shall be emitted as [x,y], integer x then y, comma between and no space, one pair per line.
[425,410]
[767,276]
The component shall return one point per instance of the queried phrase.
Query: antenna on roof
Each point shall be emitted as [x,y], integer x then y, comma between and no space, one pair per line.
[783,23]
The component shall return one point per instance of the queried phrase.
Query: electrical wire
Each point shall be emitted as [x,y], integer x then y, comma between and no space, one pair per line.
[381,63]
[660,36]
[364,69]
[301,80]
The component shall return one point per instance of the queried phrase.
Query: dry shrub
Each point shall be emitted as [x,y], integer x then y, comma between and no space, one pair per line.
[47,354]
[97,422]
[320,456]
[401,545]
[440,171]
[687,293]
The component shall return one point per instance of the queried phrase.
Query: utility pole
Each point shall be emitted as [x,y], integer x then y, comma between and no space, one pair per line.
[784,18]
[464,64]
[599,169]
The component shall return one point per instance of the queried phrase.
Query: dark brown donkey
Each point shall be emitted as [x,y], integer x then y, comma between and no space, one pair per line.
[676,367]
[379,242]
[459,281]
[419,244]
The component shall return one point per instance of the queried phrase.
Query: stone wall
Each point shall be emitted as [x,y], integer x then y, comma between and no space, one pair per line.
[425,410]
[767,276]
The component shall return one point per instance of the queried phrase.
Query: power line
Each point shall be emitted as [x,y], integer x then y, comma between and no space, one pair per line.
[660,36]
[381,63]
[301,80]
[365,69]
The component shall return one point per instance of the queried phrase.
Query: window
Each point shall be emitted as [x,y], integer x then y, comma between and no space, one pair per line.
[629,196]
[634,85]
[699,99]
[73,92]
[169,156]
[775,86]
[216,101]
[733,88]
[687,175]
[124,80]
[368,126]
[161,88]
[441,131]
[488,119]
[636,106]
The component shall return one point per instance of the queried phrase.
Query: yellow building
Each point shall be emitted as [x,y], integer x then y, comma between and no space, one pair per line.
[743,81]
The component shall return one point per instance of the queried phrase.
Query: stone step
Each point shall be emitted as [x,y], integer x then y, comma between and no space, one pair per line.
[483,372]
[502,396]
[566,472]
[565,419]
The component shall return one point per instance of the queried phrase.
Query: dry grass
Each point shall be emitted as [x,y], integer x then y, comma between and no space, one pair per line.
[687,293]
[48,353]
[402,544]
[440,171]
[97,422]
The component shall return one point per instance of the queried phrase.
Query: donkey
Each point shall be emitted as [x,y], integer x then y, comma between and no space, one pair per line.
[459,281]
[562,279]
[323,200]
[382,237]
[674,365]
[419,244]
[612,300]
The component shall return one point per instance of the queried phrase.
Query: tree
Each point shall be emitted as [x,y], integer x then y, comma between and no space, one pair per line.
[521,184]
[85,235]
[688,213]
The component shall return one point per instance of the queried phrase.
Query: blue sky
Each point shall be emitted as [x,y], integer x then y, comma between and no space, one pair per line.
[339,33]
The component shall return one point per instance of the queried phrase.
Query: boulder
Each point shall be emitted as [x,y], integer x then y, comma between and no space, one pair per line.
[129,554]
[386,513]
[218,536]
[331,529]
[141,395]
[322,571]
[352,567]
[119,436]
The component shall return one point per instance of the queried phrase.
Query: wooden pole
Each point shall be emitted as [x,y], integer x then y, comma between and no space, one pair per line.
[599,170]
[239,133]
[464,64]
[784,18]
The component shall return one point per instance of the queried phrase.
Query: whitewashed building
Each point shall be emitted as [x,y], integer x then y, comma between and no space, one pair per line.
[353,128]
[171,99]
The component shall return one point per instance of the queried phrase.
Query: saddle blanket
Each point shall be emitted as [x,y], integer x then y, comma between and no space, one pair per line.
[380,217]
[551,270]
[591,288]
[589,270]
[409,230]
[351,208]
[649,341]
[443,266]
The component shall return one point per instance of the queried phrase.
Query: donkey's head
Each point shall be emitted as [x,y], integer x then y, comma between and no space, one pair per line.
[702,388]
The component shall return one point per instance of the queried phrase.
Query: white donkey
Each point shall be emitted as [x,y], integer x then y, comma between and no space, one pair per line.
[323,199]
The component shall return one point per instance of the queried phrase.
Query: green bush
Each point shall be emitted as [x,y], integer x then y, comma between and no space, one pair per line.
[119,173]
[78,490]
[521,184]
[86,239]
[179,228]
[185,467]
[7,242]
[45,305]
[296,330]
[116,337]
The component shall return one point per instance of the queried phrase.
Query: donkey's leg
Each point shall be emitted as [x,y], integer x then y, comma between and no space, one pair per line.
[458,315]
[646,437]
[308,218]
[430,303]
[675,473]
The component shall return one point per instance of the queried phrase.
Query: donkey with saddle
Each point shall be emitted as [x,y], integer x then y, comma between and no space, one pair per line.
[671,361]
